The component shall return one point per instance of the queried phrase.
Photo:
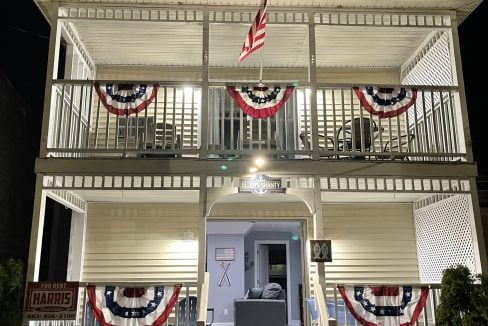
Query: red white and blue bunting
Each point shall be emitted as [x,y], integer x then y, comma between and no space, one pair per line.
[384,305]
[260,101]
[119,306]
[386,102]
[126,99]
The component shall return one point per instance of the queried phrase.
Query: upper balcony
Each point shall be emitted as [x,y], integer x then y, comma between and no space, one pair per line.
[325,55]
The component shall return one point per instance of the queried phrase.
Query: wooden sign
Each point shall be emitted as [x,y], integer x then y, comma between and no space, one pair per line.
[51,301]
[321,251]
[260,184]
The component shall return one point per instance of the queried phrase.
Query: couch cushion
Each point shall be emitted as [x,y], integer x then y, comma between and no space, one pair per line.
[271,291]
[254,293]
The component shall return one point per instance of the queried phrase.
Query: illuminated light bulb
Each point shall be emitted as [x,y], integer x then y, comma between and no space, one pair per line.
[259,162]
[253,170]
[224,167]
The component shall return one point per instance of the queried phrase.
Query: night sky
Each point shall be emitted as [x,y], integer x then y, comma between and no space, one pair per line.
[24,48]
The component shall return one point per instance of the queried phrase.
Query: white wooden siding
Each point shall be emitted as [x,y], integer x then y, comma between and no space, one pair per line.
[140,243]
[371,243]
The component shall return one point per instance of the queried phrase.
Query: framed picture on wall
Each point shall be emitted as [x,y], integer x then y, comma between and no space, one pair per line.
[225,254]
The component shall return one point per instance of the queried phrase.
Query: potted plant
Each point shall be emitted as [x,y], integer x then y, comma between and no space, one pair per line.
[464,298]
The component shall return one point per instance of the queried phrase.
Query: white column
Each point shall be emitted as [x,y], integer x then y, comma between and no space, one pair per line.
[205,88]
[37,227]
[52,70]
[76,246]
[461,106]
[312,78]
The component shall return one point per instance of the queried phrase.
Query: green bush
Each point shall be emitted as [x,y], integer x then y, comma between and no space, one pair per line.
[11,292]
[462,301]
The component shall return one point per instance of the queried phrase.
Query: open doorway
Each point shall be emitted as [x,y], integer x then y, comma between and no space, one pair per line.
[272,266]
[279,261]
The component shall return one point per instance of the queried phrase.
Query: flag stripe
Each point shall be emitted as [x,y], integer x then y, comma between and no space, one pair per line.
[255,36]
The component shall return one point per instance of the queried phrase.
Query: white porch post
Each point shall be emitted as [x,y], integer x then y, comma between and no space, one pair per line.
[479,246]
[36,231]
[76,246]
[477,226]
[312,78]
[52,70]
[205,88]
[202,230]
[318,225]
[457,73]
[37,228]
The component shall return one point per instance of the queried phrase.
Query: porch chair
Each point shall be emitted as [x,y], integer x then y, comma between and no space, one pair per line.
[342,140]
[393,148]
[252,139]
[160,136]
[344,135]
[193,316]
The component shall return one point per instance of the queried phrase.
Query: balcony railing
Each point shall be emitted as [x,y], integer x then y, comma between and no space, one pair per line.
[171,126]
[338,312]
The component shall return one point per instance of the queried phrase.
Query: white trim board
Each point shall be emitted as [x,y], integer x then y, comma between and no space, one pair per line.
[288,273]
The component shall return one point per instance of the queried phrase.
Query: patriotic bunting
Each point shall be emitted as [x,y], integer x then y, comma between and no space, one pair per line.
[384,305]
[121,306]
[386,102]
[126,99]
[260,101]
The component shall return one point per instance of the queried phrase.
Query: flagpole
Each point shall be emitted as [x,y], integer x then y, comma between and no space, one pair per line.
[261,67]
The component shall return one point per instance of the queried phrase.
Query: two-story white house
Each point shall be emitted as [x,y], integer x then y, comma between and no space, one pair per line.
[155,193]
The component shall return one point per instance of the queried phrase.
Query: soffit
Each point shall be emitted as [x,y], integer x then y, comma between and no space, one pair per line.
[178,44]
[463,7]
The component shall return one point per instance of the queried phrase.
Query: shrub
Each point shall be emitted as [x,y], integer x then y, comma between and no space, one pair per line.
[11,292]
[462,301]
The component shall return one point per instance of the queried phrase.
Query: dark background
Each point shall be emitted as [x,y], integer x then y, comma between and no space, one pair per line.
[23,59]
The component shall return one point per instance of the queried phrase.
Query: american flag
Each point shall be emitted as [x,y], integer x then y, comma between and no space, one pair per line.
[255,36]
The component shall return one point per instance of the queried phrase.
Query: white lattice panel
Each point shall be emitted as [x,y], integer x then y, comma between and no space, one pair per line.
[444,237]
[432,65]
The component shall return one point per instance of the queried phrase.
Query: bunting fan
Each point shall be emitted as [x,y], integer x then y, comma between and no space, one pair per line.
[126,99]
[384,305]
[260,101]
[386,102]
[149,306]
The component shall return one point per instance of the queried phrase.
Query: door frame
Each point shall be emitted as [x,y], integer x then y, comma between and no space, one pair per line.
[288,275]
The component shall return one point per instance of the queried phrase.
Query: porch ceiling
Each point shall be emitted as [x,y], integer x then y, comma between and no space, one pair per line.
[191,196]
[178,44]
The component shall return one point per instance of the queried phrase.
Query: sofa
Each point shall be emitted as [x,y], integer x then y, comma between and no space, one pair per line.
[261,307]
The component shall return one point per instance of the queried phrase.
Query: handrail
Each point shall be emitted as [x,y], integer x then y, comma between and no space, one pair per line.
[429,285]
[137,284]
[203,301]
[320,303]
[240,82]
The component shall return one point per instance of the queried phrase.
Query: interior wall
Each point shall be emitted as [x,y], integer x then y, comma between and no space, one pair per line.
[221,298]
[295,264]
[140,242]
